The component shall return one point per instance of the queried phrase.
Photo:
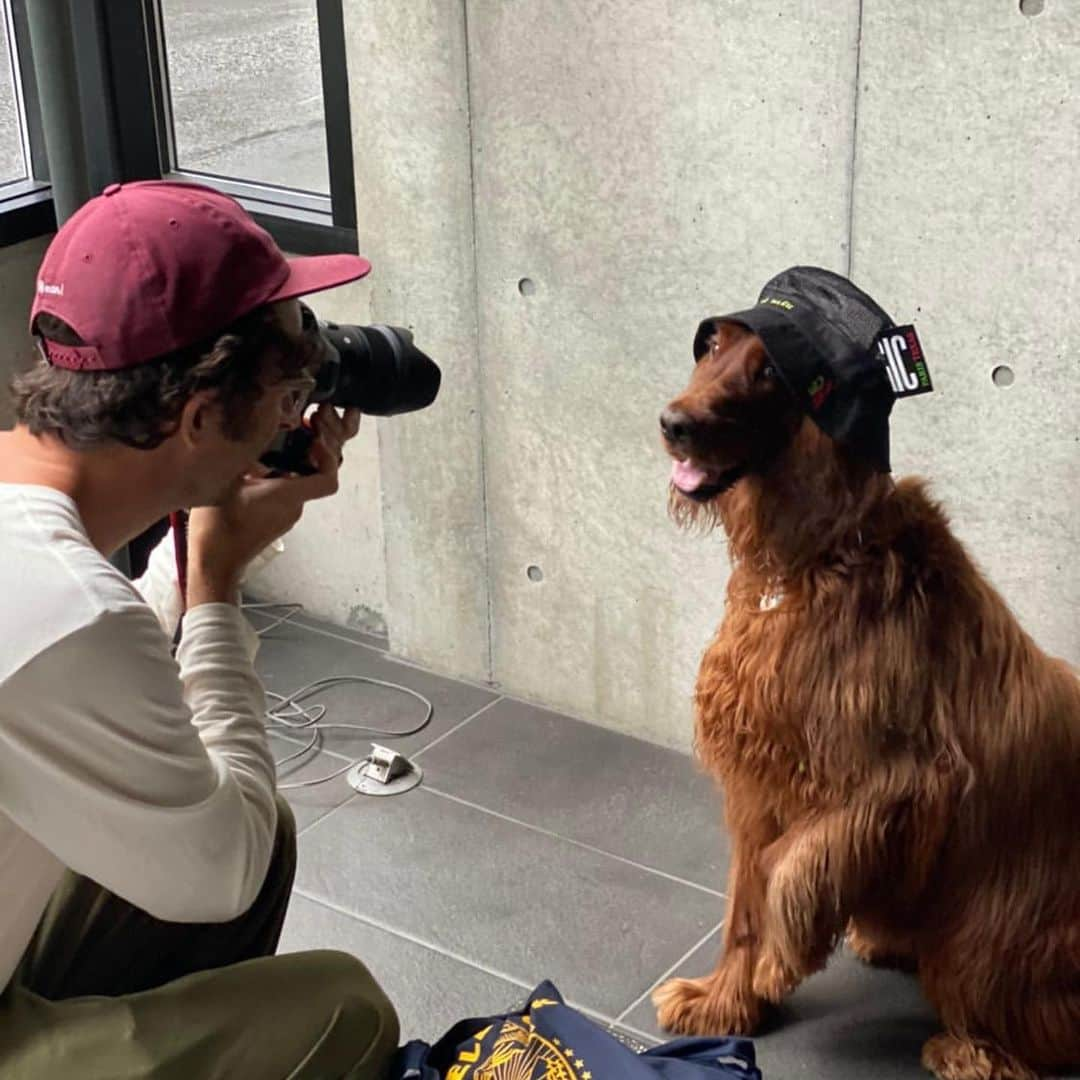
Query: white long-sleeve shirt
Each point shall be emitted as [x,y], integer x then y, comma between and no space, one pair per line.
[150,775]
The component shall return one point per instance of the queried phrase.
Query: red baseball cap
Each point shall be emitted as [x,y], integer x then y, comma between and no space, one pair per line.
[150,267]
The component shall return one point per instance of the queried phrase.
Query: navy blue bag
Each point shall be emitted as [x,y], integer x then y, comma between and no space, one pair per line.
[548,1040]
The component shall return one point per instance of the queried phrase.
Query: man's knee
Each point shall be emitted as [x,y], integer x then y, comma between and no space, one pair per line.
[365,1014]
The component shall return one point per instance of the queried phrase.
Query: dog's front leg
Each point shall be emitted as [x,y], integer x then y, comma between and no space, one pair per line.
[724,1002]
[816,873]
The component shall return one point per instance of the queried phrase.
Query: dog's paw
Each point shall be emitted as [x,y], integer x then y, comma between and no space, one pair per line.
[705,1007]
[950,1057]
[773,979]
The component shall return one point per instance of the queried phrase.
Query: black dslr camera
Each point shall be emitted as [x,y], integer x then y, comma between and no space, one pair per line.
[376,369]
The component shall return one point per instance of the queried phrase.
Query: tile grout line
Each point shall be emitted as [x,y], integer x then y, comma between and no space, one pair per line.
[318,748]
[611,1022]
[576,843]
[330,813]
[531,828]
[458,727]
[312,824]
[389,657]
[644,1036]
[294,621]
[312,624]
[503,817]
[666,975]
[342,757]
[430,945]
[458,958]
[343,635]
[490,688]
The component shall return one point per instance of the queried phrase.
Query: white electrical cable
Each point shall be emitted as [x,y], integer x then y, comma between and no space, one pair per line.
[288,715]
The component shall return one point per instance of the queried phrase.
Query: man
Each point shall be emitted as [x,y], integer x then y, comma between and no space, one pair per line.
[145,860]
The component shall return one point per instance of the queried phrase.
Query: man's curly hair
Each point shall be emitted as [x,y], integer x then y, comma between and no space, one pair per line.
[140,406]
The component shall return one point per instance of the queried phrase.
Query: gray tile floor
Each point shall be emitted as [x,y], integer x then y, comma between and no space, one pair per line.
[537,847]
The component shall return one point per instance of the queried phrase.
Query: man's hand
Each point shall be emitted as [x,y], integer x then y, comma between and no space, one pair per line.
[331,434]
[223,539]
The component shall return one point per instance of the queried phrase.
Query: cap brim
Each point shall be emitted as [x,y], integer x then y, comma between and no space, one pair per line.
[314,273]
[795,358]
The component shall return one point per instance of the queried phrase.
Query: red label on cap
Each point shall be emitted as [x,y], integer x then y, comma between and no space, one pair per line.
[819,390]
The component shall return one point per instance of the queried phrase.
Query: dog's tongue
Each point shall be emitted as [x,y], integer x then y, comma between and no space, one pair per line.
[687,477]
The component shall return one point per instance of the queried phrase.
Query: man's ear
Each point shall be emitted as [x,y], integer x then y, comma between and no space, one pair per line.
[198,419]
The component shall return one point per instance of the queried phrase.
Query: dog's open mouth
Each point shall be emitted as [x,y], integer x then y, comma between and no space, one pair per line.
[703,482]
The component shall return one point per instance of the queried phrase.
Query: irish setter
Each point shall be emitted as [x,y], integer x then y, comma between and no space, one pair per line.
[900,762]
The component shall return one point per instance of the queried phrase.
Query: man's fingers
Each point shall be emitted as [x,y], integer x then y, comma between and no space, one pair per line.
[324,481]
[351,420]
[328,423]
[328,429]
[333,431]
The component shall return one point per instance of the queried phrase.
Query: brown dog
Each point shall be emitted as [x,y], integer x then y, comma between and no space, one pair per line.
[899,760]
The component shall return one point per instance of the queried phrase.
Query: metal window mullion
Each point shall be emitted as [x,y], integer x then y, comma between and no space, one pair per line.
[21,112]
[95,90]
[38,161]
[53,53]
[336,112]
[130,77]
[158,55]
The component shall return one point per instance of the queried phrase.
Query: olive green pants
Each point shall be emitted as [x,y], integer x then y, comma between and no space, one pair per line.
[106,992]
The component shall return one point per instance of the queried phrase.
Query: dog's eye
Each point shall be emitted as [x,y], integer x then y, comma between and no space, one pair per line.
[767,372]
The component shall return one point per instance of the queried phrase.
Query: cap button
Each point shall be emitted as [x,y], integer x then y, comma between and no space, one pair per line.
[112,189]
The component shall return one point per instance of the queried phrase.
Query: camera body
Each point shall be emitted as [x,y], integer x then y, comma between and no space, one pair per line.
[376,369]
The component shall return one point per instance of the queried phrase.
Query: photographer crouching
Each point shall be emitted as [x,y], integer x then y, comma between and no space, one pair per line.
[146,861]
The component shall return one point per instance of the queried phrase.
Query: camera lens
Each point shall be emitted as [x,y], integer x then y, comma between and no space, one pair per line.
[381,371]
[376,369]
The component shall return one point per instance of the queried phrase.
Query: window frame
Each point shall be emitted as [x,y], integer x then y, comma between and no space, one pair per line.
[126,119]
[26,208]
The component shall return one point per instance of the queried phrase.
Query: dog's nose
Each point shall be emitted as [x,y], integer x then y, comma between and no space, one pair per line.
[675,424]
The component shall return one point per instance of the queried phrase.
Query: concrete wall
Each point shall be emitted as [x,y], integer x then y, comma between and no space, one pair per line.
[409,95]
[643,165]
[553,194]
[635,166]
[18,267]
[967,218]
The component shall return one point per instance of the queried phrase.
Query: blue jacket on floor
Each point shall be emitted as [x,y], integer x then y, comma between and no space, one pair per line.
[548,1040]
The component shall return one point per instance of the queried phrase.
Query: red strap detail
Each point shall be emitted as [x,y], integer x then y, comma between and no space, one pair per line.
[74,357]
[178,519]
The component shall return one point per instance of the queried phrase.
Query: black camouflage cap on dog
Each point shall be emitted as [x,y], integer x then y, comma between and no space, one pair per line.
[838,352]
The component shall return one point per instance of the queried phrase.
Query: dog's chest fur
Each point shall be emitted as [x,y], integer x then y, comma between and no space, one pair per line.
[768,701]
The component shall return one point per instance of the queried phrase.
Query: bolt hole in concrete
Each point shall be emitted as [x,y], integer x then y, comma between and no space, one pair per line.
[1032,7]
[535,573]
[527,287]
[1003,376]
